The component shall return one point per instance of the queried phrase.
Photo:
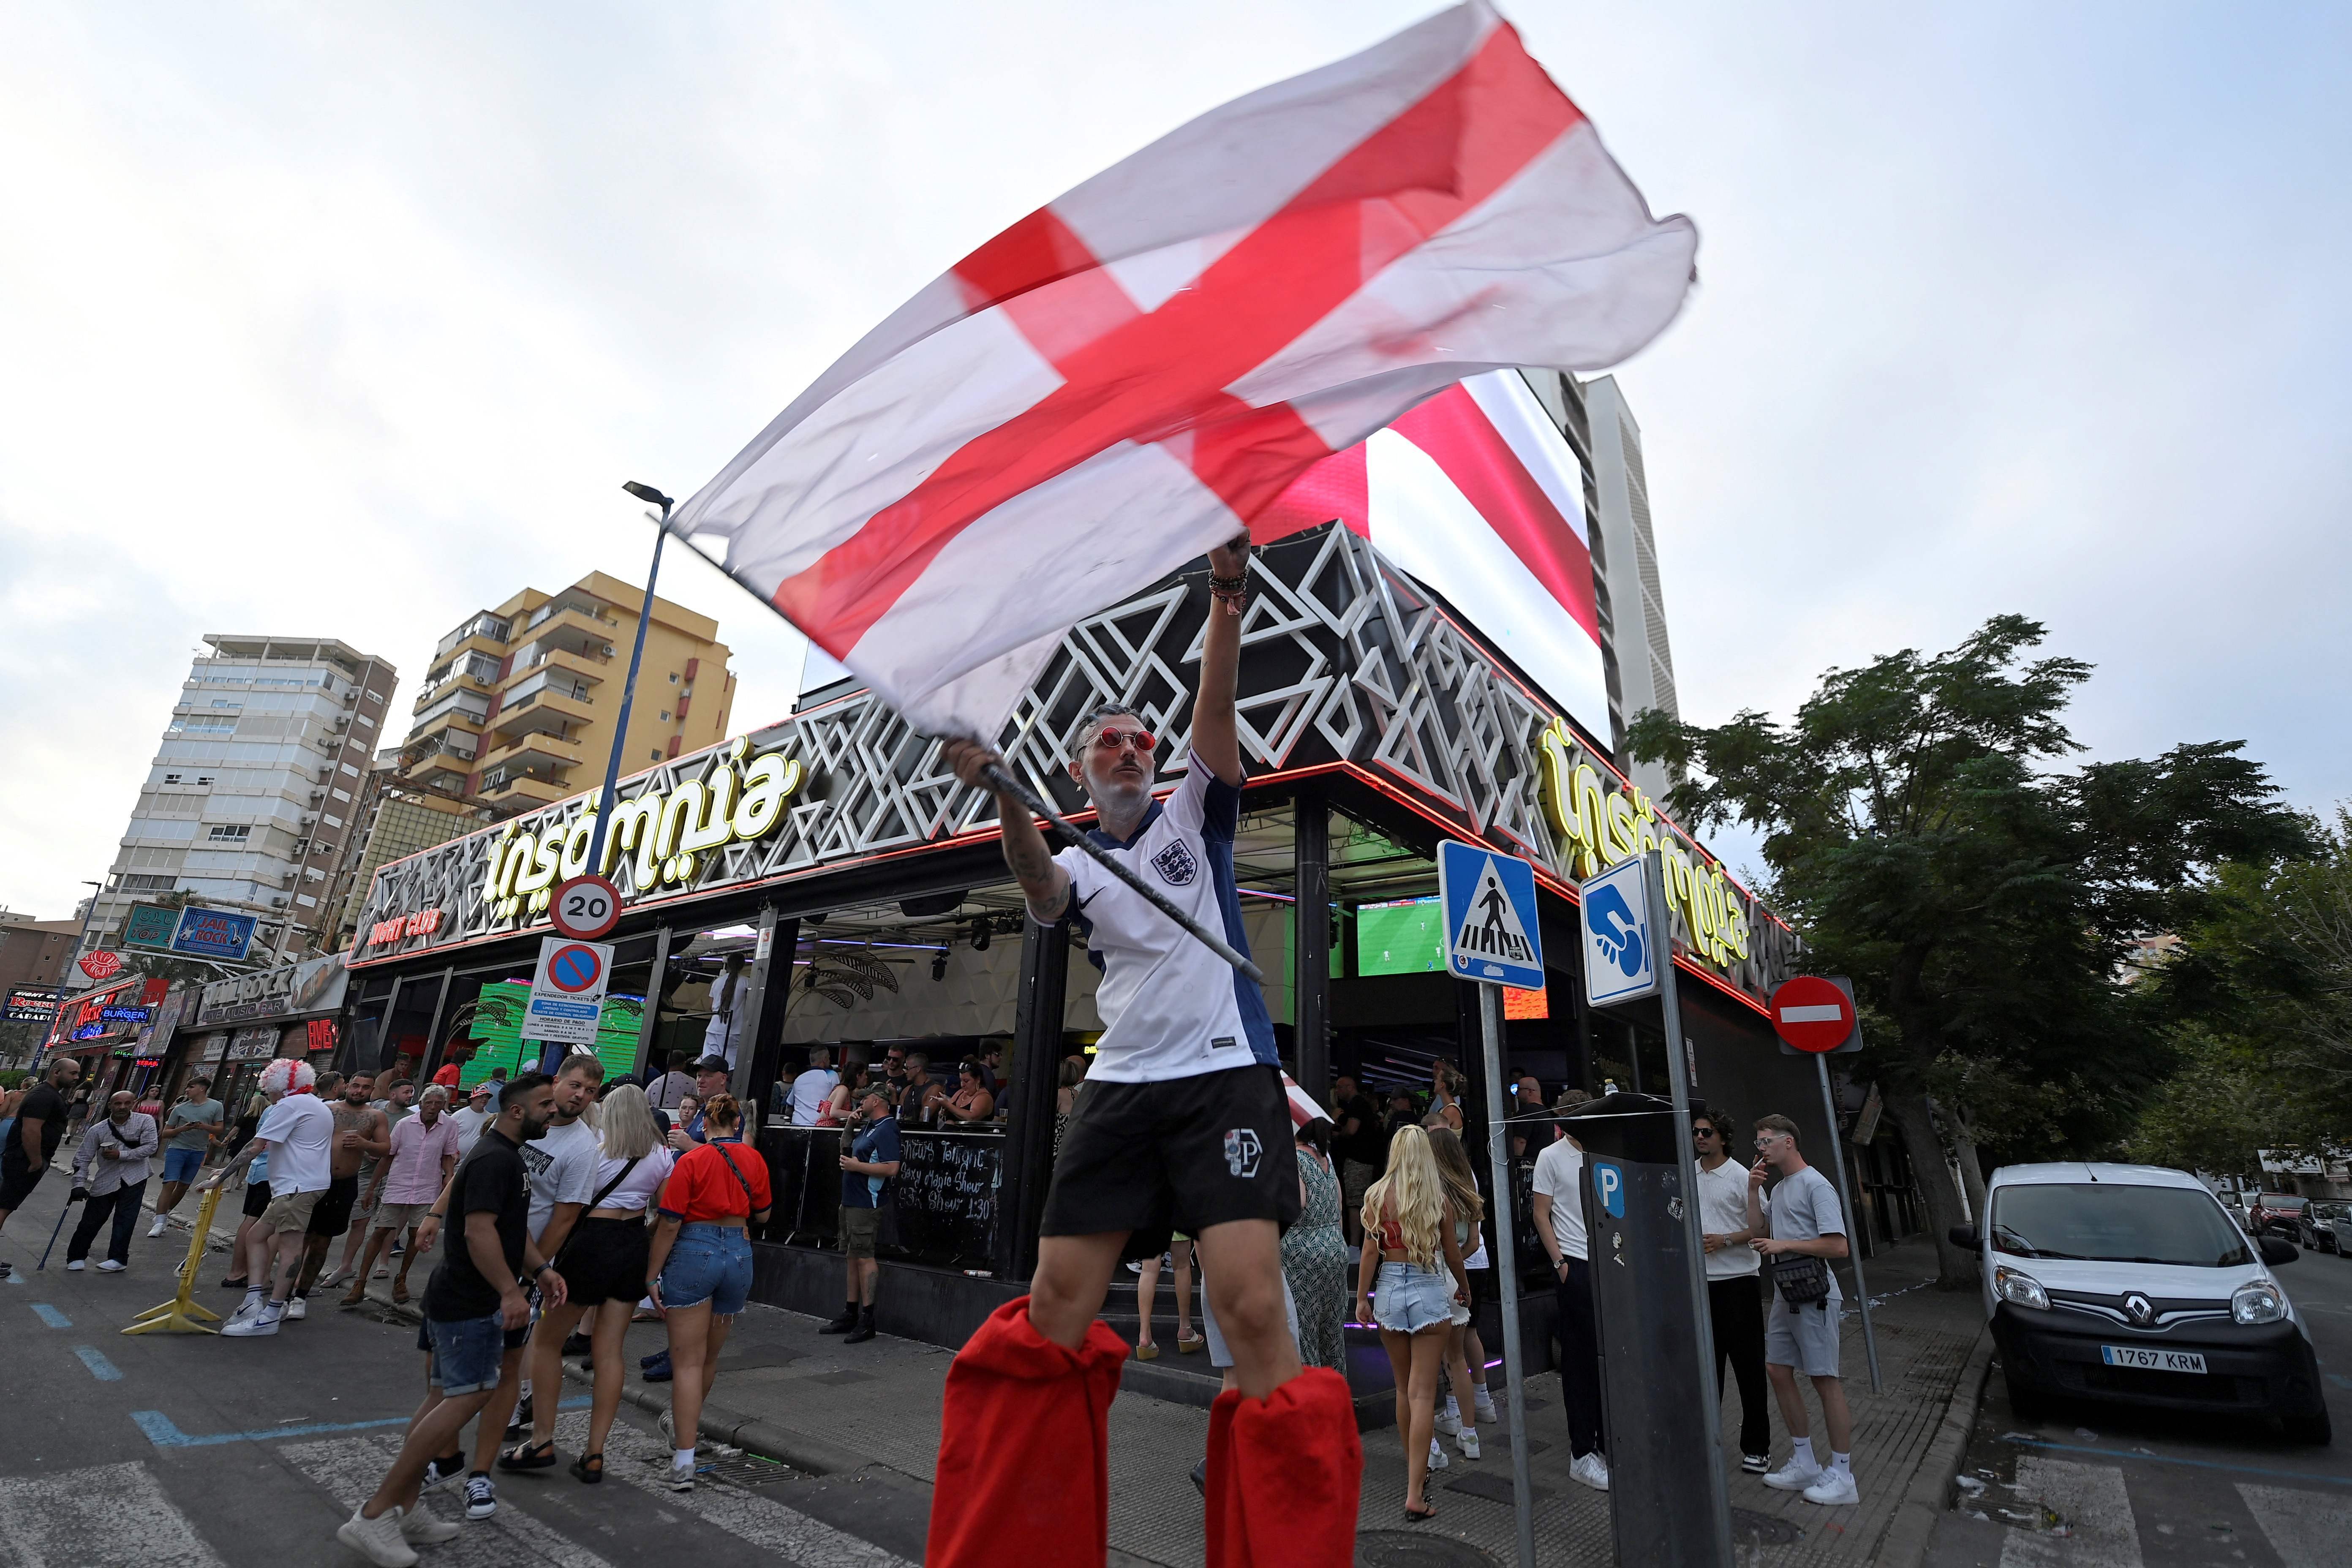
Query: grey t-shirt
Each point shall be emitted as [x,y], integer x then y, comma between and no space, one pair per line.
[188,1124]
[1804,1208]
[561,1163]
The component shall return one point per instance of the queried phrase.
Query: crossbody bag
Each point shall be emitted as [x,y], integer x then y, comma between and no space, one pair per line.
[1801,1279]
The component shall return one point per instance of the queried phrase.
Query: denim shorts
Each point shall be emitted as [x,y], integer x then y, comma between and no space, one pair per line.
[1407,1298]
[466,1353]
[182,1164]
[708,1263]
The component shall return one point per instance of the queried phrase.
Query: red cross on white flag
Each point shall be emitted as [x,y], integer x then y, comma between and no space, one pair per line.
[1132,373]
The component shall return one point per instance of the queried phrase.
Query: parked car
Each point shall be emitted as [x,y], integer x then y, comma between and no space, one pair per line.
[2274,1213]
[2131,1284]
[2322,1227]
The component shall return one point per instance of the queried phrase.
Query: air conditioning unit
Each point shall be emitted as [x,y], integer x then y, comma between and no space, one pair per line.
[278,903]
[307,821]
[318,797]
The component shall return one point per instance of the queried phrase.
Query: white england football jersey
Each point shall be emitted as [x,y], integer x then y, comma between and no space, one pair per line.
[1171,1007]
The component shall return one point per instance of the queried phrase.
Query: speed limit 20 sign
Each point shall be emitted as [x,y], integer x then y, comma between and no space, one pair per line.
[586,908]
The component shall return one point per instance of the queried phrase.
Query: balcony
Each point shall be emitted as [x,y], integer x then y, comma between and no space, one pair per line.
[463,680]
[572,621]
[524,791]
[545,713]
[486,628]
[589,667]
[535,752]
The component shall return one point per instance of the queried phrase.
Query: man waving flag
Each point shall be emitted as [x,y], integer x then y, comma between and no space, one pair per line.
[1129,376]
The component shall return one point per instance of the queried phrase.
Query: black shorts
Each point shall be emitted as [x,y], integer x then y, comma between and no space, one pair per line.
[604,1260]
[1186,1153]
[1483,1291]
[17,1179]
[256,1199]
[331,1214]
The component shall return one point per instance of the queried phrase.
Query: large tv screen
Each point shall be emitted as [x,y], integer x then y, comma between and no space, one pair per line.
[1402,936]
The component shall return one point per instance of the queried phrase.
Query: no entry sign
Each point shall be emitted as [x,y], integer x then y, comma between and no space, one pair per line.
[567,991]
[1812,1014]
[585,907]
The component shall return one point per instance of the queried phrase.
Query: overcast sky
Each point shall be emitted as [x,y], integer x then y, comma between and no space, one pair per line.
[346,322]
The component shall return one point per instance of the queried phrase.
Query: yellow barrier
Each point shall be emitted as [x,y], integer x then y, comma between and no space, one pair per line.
[181,1315]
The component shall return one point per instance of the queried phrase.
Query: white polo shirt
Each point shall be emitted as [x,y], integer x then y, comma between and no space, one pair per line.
[1723,1211]
[1172,1008]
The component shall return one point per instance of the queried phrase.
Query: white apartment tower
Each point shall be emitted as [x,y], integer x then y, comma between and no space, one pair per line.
[1635,654]
[252,793]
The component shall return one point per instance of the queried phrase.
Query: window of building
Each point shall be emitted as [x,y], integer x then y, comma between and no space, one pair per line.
[673,677]
[231,833]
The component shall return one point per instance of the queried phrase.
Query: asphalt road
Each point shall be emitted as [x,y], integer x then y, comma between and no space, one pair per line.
[2106,1487]
[192,1451]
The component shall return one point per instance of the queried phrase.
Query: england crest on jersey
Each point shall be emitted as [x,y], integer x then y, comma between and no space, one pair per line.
[1176,865]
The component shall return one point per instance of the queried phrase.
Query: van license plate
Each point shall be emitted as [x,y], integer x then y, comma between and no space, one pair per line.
[2154,1360]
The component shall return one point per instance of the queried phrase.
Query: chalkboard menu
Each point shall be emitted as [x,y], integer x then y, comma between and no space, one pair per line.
[947,1194]
[941,1208]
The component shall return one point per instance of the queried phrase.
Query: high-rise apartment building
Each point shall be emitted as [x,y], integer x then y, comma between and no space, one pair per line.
[395,820]
[1638,659]
[254,790]
[518,707]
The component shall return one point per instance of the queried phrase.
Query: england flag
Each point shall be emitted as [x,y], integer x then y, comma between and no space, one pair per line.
[1143,367]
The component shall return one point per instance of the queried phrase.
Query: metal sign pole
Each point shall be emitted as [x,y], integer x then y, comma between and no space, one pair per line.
[1845,1202]
[1695,1241]
[1507,1268]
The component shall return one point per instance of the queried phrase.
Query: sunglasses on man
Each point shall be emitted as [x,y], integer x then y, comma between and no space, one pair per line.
[1113,739]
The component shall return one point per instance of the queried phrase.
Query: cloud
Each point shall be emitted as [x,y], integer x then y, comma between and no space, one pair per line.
[347,322]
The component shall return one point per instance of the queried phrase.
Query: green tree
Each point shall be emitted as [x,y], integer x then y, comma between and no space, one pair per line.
[2269,968]
[1924,840]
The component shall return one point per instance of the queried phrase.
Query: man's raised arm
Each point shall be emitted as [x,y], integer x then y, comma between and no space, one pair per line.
[1215,737]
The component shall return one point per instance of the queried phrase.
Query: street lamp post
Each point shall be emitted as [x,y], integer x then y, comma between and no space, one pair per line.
[651,497]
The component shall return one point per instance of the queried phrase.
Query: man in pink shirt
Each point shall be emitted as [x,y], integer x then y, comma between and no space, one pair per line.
[411,1176]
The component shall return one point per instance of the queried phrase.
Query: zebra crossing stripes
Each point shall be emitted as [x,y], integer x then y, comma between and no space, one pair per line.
[109,1516]
[635,1458]
[2305,1526]
[2306,1529]
[2091,1499]
[349,1470]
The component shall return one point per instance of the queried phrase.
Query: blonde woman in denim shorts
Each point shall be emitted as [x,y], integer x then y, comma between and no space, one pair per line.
[1407,1284]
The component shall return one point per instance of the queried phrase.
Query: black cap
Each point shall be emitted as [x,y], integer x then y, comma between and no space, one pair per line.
[712,1064]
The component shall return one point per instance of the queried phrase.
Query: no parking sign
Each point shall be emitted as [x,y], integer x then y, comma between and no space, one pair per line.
[567,991]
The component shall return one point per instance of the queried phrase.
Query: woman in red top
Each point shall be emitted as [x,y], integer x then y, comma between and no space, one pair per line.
[698,1270]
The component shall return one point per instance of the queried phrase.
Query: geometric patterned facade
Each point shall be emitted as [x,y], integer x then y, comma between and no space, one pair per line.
[1345,660]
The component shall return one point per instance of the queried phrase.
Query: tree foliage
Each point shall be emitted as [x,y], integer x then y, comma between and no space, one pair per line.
[1926,839]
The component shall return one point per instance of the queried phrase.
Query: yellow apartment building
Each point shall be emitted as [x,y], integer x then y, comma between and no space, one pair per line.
[518,706]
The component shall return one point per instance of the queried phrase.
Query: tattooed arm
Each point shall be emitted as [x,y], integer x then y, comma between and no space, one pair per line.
[1045,885]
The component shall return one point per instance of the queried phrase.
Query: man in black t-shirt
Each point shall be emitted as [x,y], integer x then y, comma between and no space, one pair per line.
[1356,1144]
[476,1318]
[32,1143]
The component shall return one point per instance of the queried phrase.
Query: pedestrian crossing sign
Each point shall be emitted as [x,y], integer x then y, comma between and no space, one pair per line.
[1490,916]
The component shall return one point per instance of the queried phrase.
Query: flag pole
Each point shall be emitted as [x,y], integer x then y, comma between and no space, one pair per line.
[1003,783]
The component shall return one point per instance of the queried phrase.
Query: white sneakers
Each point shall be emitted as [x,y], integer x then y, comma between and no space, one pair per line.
[162,1222]
[1437,1459]
[1469,1441]
[481,1498]
[110,1267]
[1449,1421]
[1823,1484]
[378,1540]
[1486,1404]
[296,1309]
[1592,1470]
[247,1325]
[76,1265]
[419,1528]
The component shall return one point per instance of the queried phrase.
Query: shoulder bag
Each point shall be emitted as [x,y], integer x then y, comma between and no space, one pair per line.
[1801,1280]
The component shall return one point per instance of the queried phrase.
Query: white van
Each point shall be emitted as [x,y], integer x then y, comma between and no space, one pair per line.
[2131,1283]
